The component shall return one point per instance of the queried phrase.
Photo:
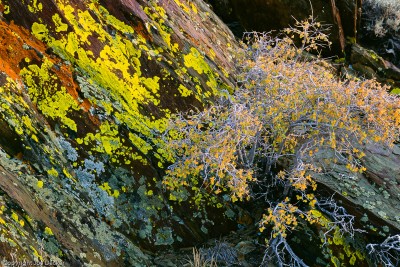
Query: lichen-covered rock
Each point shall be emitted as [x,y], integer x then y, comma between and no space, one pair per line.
[373,196]
[86,88]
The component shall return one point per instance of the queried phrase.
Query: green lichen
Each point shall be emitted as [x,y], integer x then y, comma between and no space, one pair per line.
[335,261]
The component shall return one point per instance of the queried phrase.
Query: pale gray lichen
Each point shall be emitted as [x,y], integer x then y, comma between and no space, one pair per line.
[204,229]
[230,213]
[102,202]
[69,151]
[91,165]
[164,236]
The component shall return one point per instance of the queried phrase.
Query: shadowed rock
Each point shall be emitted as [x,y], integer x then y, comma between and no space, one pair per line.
[261,15]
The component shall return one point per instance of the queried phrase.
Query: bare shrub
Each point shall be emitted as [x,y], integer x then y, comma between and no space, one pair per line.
[387,252]
[285,110]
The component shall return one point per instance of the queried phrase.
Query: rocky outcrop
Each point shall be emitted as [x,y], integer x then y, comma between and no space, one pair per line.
[86,87]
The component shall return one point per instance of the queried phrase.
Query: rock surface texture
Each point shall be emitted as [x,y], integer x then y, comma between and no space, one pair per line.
[86,87]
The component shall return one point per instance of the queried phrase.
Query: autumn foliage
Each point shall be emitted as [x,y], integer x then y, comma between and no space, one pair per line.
[287,109]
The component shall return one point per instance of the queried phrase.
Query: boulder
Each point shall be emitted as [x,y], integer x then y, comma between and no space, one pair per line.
[86,88]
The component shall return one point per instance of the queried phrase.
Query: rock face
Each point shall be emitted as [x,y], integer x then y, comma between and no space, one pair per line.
[86,87]
[263,15]
[375,193]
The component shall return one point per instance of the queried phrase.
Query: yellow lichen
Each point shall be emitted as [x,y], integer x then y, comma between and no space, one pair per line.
[6,9]
[43,89]
[117,69]
[184,91]
[68,175]
[29,219]
[60,26]
[194,8]
[14,216]
[35,253]
[40,31]
[197,61]
[111,20]
[115,194]
[48,231]
[183,6]
[159,23]
[40,184]
[52,172]
[140,143]
[34,6]
[106,187]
